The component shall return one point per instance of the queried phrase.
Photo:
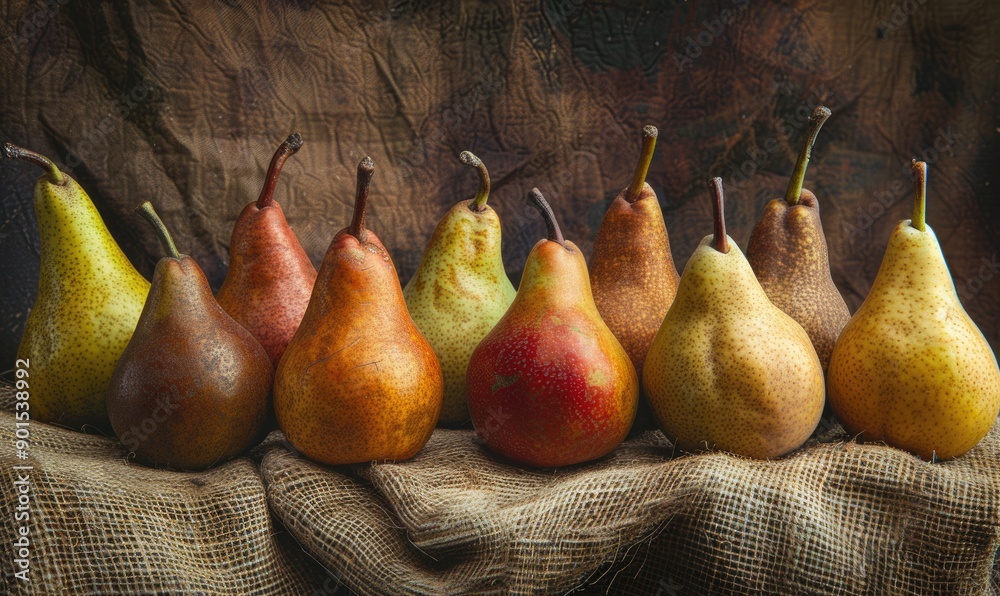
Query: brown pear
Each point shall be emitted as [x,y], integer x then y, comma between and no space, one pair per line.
[358,382]
[270,277]
[632,270]
[788,254]
[191,388]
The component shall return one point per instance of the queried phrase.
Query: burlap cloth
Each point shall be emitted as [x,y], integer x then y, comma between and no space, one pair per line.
[833,518]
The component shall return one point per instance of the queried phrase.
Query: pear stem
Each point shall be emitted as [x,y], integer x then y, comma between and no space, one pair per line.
[794,192]
[920,195]
[146,210]
[645,158]
[536,200]
[366,169]
[12,151]
[721,240]
[285,150]
[478,203]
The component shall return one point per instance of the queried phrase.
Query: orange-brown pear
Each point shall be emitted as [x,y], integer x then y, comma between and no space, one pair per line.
[358,382]
[911,368]
[632,270]
[788,253]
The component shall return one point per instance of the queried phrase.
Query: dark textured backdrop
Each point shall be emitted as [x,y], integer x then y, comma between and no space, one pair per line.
[182,103]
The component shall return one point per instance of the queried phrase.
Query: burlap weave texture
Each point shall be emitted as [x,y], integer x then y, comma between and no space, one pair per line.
[833,518]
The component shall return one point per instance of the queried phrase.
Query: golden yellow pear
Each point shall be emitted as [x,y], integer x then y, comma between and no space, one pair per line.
[728,370]
[911,368]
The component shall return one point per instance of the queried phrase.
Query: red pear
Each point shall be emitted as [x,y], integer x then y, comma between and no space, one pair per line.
[550,385]
[270,277]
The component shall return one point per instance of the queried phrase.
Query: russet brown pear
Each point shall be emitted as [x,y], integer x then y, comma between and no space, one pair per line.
[632,270]
[788,253]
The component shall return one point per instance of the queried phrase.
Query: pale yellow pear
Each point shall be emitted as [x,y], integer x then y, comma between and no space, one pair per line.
[89,301]
[911,368]
[728,370]
[460,290]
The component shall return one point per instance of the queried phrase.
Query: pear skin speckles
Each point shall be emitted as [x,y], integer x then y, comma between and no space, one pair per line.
[632,272]
[270,278]
[728,370]
[457,295]
[911,368]
[89,301]
[192,387]
[358,382]
[550,385]
[788,254]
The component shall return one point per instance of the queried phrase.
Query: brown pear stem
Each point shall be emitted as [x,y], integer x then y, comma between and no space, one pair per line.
[285,150]
[12,151]
[536,200]
[920,195]
[720,241]
[366,169]
[479,202]
[794,192]
[645,158]
[146,210]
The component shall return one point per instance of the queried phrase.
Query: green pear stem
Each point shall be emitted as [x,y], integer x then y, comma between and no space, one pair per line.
[721,240]
[146,210]
[919,195]
[816,121]
[288,148]
[645,158]
[536,200]
[12,151]
[366,169]
[479,202]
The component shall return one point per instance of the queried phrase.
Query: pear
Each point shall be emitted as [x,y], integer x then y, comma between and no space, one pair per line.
[358,382]
[89,300]
[191,388]
[632,270]
[788,253]
[728,370]
[270,277]
[911,368]
[460,289]
[550,385]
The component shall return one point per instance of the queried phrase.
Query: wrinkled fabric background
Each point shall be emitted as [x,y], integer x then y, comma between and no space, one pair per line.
[183,103]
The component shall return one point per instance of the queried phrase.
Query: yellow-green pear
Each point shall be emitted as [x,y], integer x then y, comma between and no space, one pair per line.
[728,370]
[911,368]
[460,289]
[89,301]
